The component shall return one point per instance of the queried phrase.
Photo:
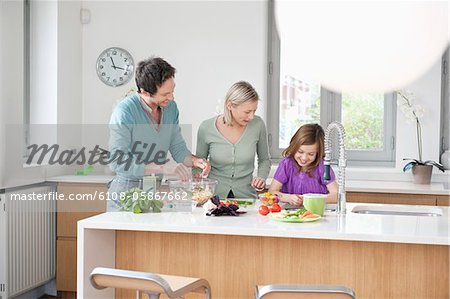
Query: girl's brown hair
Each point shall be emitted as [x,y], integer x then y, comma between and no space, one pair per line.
[308,134]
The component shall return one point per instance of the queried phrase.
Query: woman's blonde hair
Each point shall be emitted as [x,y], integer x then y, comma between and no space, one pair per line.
[308,134]
[239,93]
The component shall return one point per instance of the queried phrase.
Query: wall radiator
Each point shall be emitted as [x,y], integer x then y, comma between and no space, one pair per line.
[27,239]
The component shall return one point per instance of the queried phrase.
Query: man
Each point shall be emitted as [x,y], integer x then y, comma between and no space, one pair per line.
[145,126]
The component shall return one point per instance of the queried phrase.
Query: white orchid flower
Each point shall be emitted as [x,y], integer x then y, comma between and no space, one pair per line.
[413,112]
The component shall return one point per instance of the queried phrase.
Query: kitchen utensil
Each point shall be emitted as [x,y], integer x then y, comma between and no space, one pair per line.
[315,203]
[198,190]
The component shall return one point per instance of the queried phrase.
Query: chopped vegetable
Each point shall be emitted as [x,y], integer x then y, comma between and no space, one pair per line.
[137,201]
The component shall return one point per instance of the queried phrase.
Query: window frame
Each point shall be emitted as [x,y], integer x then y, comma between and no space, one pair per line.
[27,74]
[330,110]
[445,104]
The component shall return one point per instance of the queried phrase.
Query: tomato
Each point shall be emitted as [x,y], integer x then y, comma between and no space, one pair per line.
[263,210]
[275,208]
[307,213]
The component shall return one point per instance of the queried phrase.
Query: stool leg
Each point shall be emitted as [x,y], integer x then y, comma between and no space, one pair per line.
[208,293]
[152,295]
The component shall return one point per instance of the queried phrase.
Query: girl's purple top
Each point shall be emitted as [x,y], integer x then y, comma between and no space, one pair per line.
[295,182]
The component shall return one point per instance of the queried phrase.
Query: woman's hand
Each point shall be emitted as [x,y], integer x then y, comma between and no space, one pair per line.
[203,164]
[293,199]
[258,184]
[207,169]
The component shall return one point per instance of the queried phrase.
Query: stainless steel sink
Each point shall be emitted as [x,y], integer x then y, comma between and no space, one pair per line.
[330,207]
[398,210]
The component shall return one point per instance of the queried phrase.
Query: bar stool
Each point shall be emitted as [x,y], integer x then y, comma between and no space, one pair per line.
[151,284]
[286,291]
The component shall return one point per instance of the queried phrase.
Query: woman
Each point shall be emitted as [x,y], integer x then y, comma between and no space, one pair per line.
[231,140]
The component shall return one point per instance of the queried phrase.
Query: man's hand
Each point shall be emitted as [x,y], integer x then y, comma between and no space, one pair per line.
[258,184]
[153,168]
[170,168]
[181,171]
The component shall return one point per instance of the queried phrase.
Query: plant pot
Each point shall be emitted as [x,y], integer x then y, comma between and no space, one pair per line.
[422,174]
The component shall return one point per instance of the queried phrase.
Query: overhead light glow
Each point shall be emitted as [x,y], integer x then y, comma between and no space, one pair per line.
[362,46]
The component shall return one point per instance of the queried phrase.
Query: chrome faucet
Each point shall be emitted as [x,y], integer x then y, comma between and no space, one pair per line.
[342,163]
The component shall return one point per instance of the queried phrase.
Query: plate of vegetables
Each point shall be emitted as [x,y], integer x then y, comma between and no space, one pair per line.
[297,216]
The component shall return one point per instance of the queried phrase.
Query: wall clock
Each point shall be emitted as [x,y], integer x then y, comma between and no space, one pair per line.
[115,66]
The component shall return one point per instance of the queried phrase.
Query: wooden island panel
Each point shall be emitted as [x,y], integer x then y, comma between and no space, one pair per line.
[69,212]
[443,200]
[392,198]
[234,265]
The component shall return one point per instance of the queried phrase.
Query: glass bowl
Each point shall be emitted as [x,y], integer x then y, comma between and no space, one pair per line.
[198,190]
[268,198]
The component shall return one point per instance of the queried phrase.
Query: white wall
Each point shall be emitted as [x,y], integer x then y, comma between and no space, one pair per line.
[69,63]
[427,90]
[212,44]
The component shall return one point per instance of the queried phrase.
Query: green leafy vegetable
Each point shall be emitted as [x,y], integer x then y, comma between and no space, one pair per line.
[137,201]
[296,213]
[85,170]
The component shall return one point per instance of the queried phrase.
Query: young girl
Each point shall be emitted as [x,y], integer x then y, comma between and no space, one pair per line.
[301,170]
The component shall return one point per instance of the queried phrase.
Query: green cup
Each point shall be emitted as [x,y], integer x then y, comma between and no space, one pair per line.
[315,203]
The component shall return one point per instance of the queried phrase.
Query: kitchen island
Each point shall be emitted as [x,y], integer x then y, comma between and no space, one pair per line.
[379,256]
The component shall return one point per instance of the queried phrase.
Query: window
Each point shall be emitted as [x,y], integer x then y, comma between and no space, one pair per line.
[40,72]
[369,119]
[26,106]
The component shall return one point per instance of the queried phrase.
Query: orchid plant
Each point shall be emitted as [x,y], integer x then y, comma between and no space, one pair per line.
[413,112]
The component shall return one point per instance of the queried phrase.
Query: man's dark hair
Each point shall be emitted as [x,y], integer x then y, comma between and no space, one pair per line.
[152,73]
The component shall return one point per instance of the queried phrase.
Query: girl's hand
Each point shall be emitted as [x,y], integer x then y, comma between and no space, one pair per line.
[258,184]
[293,199]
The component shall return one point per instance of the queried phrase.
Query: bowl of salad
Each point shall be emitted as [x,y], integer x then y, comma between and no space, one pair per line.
[268,198]
[198,190]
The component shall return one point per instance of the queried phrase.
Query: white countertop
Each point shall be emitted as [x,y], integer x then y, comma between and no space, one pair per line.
[350,227]
[350,185]
[396,187]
